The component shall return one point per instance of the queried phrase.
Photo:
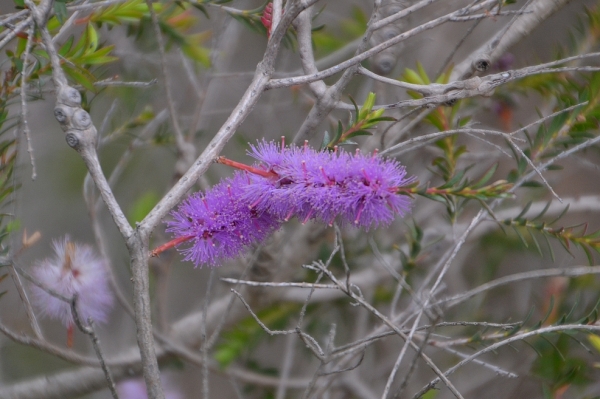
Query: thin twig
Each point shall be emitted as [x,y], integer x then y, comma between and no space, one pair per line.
[286,367]
[535,274]
[393,150]
[204,349]
[329,99]
[95,5]
[497,370]
[26,303]
[89,330]
[262,75]
[366,54]
[413,365]
[514,338]
[186,150]
[14,31]
[7,19]
[448,59]
[111,82]
[513,32]
[535,169]
[65,27]
[24,75]
[260,323]
[278,284]
[57,351]
[384,319]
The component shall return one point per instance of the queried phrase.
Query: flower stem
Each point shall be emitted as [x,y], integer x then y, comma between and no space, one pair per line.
[176,241]
[260,172]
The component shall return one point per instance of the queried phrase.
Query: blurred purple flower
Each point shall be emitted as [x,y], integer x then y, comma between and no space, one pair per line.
[218,224]
[136,389]
[303,182]
[74,269]
[504,63]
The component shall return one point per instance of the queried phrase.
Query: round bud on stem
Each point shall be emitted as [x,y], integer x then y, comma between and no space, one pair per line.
[81,119]
[63,115]
[482,64]
[72,140]
[70,96]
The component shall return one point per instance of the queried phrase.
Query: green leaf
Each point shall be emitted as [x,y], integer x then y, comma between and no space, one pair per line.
[595,341]
[326,140]
[367,106]
[532,184]
[410,76]
[543,212]
[202,9]
[80,76]
[523,240]
[487,176]
[79,47]
[338,133]
[423,73]
[60,10]
[537,244]
[359,133]
[382,119]
[18,63]
[524,211]
[198,54]
[564,211]
[66,47]
[356,111]
[92,37]
[588,254]
[97,57]
[431,394]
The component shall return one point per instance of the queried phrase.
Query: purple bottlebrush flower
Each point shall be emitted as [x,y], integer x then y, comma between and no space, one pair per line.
[74,269]
[299,181]
[219,224]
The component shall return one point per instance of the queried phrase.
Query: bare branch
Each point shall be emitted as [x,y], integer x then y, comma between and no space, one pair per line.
[89,330]
[261,77]
[24,76]
[365,54]
[186,150]
[534,13]
[517,337]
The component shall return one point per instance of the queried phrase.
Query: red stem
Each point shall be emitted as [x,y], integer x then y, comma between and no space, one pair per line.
[176,241]
[261,172]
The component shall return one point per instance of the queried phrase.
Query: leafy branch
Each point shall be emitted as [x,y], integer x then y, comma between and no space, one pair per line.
[364,118]
[570,129]
[576,235]
[175,20]
[460,186]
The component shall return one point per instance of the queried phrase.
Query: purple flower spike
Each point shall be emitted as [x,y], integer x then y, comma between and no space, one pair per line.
[360,189]
[219,224]
[74,269]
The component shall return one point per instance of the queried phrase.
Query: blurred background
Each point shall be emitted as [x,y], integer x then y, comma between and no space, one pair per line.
[209,70]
